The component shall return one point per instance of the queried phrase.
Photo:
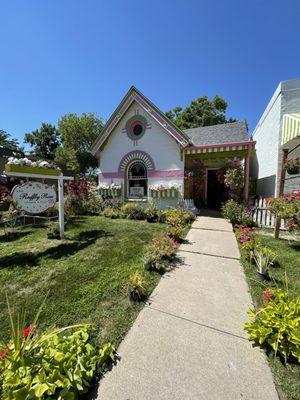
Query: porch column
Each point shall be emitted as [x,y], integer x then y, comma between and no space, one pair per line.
[247,171]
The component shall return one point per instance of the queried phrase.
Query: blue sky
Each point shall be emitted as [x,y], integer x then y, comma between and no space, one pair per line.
[63,56]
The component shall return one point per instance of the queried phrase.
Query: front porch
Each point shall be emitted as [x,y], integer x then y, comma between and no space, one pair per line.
[204,166]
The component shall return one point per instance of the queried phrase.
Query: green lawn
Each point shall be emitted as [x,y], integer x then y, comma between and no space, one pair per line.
[84,276]
[287,377]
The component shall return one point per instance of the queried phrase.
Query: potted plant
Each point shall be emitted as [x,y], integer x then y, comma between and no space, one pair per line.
[264,258]
[293,166]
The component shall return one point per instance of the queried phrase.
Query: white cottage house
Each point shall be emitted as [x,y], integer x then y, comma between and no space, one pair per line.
[144,156]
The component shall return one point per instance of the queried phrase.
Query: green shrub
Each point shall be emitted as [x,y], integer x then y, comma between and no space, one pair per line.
[113,202]
[92,202]
[276,324]
[133,211]
[152,213]
[234,212]
[159,253]
[53,231]
[111,213]
[249,247]
[58,363]
[137,288]
[176,232]
[188,216]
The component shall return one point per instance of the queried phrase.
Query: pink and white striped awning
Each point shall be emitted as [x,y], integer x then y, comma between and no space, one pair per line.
[218,148]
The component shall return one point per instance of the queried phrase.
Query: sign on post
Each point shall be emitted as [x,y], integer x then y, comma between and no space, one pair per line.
[34,197]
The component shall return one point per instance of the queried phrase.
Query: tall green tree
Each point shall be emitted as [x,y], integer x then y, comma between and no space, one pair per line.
[44,141]
[6,141]
[200,112]
[78,133]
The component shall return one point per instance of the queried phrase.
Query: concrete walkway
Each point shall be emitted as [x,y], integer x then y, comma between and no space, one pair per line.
[188,342]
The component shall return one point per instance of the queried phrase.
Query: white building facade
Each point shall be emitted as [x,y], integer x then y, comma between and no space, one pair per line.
[270,140]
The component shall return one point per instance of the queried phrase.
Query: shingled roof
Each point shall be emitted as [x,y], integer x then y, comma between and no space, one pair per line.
[216,134]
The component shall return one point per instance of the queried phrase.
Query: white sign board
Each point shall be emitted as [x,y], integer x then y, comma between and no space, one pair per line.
[137,191]
[34,197]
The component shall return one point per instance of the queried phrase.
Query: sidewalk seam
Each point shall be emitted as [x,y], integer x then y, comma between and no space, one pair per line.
[196,323]
[210,229]
[210,255]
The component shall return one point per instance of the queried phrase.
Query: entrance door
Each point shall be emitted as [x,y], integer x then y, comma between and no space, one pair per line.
[216,191]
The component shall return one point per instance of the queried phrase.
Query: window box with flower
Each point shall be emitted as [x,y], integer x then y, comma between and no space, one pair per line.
[164,191]
[24,165]
[112,190]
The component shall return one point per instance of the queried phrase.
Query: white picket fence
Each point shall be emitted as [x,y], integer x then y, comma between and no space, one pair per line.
[262,216]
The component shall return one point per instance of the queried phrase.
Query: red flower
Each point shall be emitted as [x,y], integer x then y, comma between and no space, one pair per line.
[3,353]
[28,330]
[267,295]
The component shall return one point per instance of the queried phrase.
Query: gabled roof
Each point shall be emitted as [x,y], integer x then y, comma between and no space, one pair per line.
[216,134]
[135,95]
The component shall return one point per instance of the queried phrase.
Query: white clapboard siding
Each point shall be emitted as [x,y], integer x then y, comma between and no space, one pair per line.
[262,216]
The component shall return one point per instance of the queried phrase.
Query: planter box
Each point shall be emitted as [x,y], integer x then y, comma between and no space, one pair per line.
[31,170]
[110,192]
[164,194]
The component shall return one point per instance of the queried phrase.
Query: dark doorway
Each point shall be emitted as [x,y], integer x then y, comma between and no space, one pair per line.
[216,191]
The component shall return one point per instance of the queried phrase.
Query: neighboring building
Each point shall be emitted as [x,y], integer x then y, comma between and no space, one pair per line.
[140,149]
[278,128]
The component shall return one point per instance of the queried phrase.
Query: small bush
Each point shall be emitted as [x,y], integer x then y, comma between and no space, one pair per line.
[152,213]
[111,213]
[133,211]
[58,363]
[249,247]
[178,216]
[276,324]
[92,202]
[176,232]
[112,202]
[159,253]
[137,289]
[53,231]
[234,212]
[244,233]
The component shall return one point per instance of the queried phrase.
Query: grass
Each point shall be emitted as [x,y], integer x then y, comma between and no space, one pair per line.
[85,277]
[287,377]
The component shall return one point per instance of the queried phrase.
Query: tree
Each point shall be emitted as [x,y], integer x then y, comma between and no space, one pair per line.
[44,141]
[6,141]
[78,133]
[200,112]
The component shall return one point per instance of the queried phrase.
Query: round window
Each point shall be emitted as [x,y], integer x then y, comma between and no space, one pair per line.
[136,127]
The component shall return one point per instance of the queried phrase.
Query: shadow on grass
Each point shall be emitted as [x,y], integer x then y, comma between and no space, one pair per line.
[295,246]
[11,236]
[80,242]
[63,249]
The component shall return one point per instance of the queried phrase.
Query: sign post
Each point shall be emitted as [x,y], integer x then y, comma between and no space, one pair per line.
[61,212]
[60,182]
